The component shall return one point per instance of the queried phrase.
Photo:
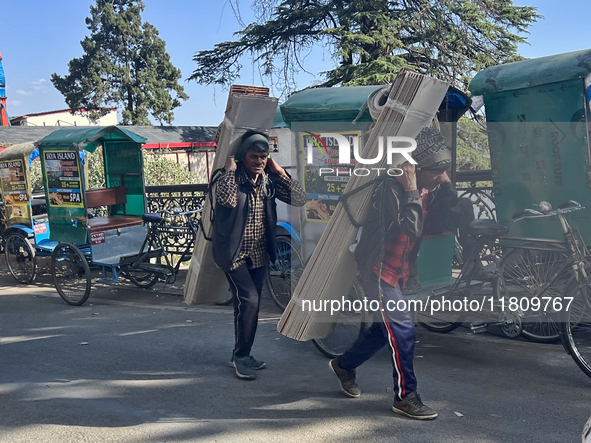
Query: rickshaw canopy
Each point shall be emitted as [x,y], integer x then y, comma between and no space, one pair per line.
[531,73]
[345,103]
[87,138]
[346,110]
[21,150]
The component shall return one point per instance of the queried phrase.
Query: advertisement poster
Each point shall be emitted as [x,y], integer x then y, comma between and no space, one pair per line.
[274,144]
[13,175]
[64,181]
[324,178]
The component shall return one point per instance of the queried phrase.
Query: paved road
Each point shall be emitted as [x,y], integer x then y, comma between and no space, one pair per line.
[141,366]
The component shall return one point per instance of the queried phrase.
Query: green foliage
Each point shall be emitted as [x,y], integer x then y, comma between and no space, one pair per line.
[124,63]
[371,39]
[35,175]
[95,169]
[472,146]
[160,170]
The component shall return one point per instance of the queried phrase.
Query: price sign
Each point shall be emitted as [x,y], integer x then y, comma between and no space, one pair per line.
[64,181]
[13,179]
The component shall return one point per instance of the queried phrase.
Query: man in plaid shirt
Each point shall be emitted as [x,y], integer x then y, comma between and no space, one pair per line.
[392,227]
[244,235]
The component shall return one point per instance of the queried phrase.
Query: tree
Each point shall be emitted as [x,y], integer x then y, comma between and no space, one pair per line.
[160,170]
[472,145]
[371,39]
[124,63]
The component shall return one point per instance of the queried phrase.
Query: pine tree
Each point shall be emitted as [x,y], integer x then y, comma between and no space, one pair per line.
[370,40]
[125,64]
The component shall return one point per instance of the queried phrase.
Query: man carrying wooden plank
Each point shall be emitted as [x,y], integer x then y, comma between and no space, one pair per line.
[392,227]
[244,235]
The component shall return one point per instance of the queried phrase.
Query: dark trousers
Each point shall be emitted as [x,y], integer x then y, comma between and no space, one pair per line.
[396,329]
[246,285]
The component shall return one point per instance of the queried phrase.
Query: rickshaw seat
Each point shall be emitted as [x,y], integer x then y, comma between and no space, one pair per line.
[486,227]
[151,217]
[112,222]
[105,196]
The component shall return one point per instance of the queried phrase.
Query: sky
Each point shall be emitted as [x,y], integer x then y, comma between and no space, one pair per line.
[39,38]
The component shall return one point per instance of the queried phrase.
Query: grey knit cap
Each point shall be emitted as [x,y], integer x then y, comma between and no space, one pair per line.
[431,152]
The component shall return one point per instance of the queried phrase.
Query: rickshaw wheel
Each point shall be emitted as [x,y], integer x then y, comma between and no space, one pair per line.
[20,258]
[436,317]
[348,325]
[71,274]
[525,273]
[141,279]
[283,274]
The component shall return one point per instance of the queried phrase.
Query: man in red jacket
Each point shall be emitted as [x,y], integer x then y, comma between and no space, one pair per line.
[393,226]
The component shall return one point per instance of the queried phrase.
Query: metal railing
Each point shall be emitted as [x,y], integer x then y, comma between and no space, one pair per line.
[482,197]
[188,198]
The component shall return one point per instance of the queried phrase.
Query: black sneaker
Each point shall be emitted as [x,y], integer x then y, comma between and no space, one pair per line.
[243,368]
[346,379]
[254,364]
[413,407]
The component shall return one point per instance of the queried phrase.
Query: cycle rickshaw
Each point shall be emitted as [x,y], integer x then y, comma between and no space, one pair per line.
[117,240]
[26,231]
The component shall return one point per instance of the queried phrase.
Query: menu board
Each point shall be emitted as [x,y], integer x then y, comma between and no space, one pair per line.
[63,178]
[325,178]
[13,176]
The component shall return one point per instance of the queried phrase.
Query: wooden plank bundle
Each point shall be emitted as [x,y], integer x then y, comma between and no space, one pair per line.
[412,104]
[248,108]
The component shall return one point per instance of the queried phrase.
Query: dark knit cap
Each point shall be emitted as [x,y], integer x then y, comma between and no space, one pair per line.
[432,152]
[260,140]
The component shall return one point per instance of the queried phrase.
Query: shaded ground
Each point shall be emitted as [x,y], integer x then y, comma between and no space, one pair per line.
[141,366]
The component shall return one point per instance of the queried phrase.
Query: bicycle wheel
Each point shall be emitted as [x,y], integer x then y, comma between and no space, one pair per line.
[436,316]
[348,326]
[20,258]
[141,278]
[576,325]
[71,274]
[283,274]
[529,276]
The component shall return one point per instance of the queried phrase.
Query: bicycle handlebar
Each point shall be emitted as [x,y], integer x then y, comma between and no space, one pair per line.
[176,212]
[564,208]
[570,203]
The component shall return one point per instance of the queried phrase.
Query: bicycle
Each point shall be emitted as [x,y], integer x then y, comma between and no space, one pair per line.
[531,273]
[571,308]
[283,273]
[140,270]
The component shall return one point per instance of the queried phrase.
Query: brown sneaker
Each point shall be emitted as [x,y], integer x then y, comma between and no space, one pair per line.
[412,406]
[346,379]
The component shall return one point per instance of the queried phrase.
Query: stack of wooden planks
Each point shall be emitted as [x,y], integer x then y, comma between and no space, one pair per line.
[248,108]
[412,103]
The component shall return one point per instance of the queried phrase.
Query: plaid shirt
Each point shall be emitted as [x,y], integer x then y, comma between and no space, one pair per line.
[395,265]
[253,242]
